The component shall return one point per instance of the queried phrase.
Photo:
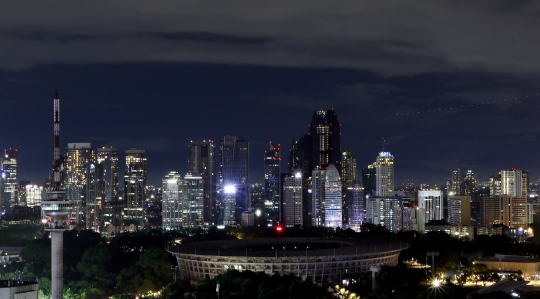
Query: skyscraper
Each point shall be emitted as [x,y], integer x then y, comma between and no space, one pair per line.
[325,135]
[202,160]
[459,210]
[107,186]
[326,197]
[272,182]
[292,199]
[511,182]
[355,204]
[234,173]
[505,209]
[384,168]
[192,200]
[79,179]
[432,202]
[171,204]
[9,178]
[348,177]
[135,187]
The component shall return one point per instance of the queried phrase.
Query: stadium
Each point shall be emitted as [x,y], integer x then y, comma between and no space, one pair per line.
[322,260]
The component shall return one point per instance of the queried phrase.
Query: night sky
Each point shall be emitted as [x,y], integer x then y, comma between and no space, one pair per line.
[155,75]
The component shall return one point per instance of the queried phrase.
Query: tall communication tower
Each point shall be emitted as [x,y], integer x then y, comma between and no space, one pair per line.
[56,208]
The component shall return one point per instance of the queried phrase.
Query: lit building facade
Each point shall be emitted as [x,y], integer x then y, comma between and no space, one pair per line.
[459,210]
[107,188]
[9,178]
[505,209]
[234,172]
[135,187]
[292,199]
[80,180]
[384,168]
[272,182]
[192,198]
[171,205]
[355,204]
[432,202]
[202,160]
[348,177]
[511,182]
[380,210]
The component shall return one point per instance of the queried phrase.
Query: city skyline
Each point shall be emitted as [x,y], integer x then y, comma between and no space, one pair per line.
[443,88]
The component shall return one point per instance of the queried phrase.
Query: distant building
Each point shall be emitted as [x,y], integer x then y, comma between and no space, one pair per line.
[432,202]
[18,289]
[272,182]
[459,210]
[506,210]
[407,218]
[326,194]
[369,181]
[171,204]
[202,160]
[192,197]
[292,199]
[80,180]
[135,187]
[234,173]
[355,204]
[107,188]
[511,182]
[348,177]
[248,218]
[384,167]
[380,210]
[9,178]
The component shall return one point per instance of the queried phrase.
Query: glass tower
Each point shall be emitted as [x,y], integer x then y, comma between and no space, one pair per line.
[135,187]
[202,160]
[234,173]
[272,182]
[171,204]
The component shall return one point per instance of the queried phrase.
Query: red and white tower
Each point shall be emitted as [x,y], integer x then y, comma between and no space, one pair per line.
[56,208]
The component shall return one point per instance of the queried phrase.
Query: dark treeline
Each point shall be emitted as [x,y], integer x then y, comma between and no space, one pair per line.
[138,263]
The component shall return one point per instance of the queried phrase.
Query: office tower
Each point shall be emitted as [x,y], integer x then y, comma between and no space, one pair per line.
[495,185]
[384,168]
[234,174]
[455,187]
[325,134]
[202,160]
[192,197]
[317,197]
[56,209]
[107,174]
[298,155]
[469,183]
[505,209]
[348,177]
[409,218]
[9,178]
[369,179]
[272,186]
[32,194]
[459,210]
[431,201]
[511,182]
[171,204]
[380,210]
[292,199]
[355,204]
[135,187]
[79,179]
[525,183]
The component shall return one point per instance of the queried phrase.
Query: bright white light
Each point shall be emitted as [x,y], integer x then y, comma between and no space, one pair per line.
[220,226]
[229,189]
[298,175]
[258,213]
[436,283]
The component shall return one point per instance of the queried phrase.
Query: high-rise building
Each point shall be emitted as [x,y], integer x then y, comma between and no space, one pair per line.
[79,179]
[33,194]
[192,198]
[456,183]
[432,202]
[135,187]
[327,199]
[272,186]
[171,204]
[469,183]
[325,133]
[348,177]
[355,204]
[317,197]
[380,210]
[234,173]
[511,182]
[292,199]
[9,178]
[505,209]
[407,218]
[495,185]
[202,160]
[384,168]
[369,180]
[107,188]
[459,210]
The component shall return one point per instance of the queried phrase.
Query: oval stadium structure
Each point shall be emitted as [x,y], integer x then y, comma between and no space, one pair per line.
[322,260]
